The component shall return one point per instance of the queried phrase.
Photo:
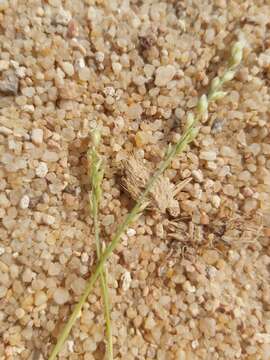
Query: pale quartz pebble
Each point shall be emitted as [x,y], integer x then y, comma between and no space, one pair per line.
[2,250]
[89,345]
[208,155]
[126,280]
[250,205]
[50,156]
[70,345]
[134,111]
[209,35]
[198,175]
[99,56]
[227,151]
[188,287]
[41,170]
[149,323]
[109,91]
[117,67]
[108,220]
[78,286]
[21,72]
[224,171]
[215,200]
[40,298]
[208,326]
[84,74]
[9,84]
[230,190]
[142,138]
[68,68]
[131,232]
[244,176]
[84,257]
[48,219]
[61,296]
[255,149]
[164,74]
[28,91]
[37,136]
[28,108]
[19,312]
[63,17]
[27,275]
[54,269]
[24,202]
[149,70]
[194,309]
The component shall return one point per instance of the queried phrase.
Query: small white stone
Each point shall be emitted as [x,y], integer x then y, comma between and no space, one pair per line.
[2,250]
[131,232]
[188,287]
[37,136]
[24,202]
[99,56]
[149,323]
[117,67]
[164,74]
[198,175]
[21,72]
[50,156]
[84,257]
[68,68]
[63,17]
[28,91]
[28,108]
[70,345]
[227,151]
[208,155]
[61,296]
[126,279]
[42,170]
[48,219]
[216,201]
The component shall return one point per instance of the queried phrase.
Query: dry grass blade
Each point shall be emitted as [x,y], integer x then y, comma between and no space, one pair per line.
[96,177]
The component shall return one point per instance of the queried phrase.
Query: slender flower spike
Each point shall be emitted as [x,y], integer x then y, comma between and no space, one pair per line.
[218,95]
[190,120]
[202,105]
[96,137]
[215,84]
[228,76]
[237,54]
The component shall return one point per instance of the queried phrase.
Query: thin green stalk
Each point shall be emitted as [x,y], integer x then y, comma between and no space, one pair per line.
[189,134]
[96,177]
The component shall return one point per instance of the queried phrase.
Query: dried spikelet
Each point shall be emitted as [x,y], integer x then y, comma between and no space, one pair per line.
[135,177]
[162,195]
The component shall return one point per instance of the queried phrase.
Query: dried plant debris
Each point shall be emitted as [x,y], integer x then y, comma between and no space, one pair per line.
[162,196]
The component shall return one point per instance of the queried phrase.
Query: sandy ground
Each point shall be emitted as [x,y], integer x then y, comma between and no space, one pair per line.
[185,285]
